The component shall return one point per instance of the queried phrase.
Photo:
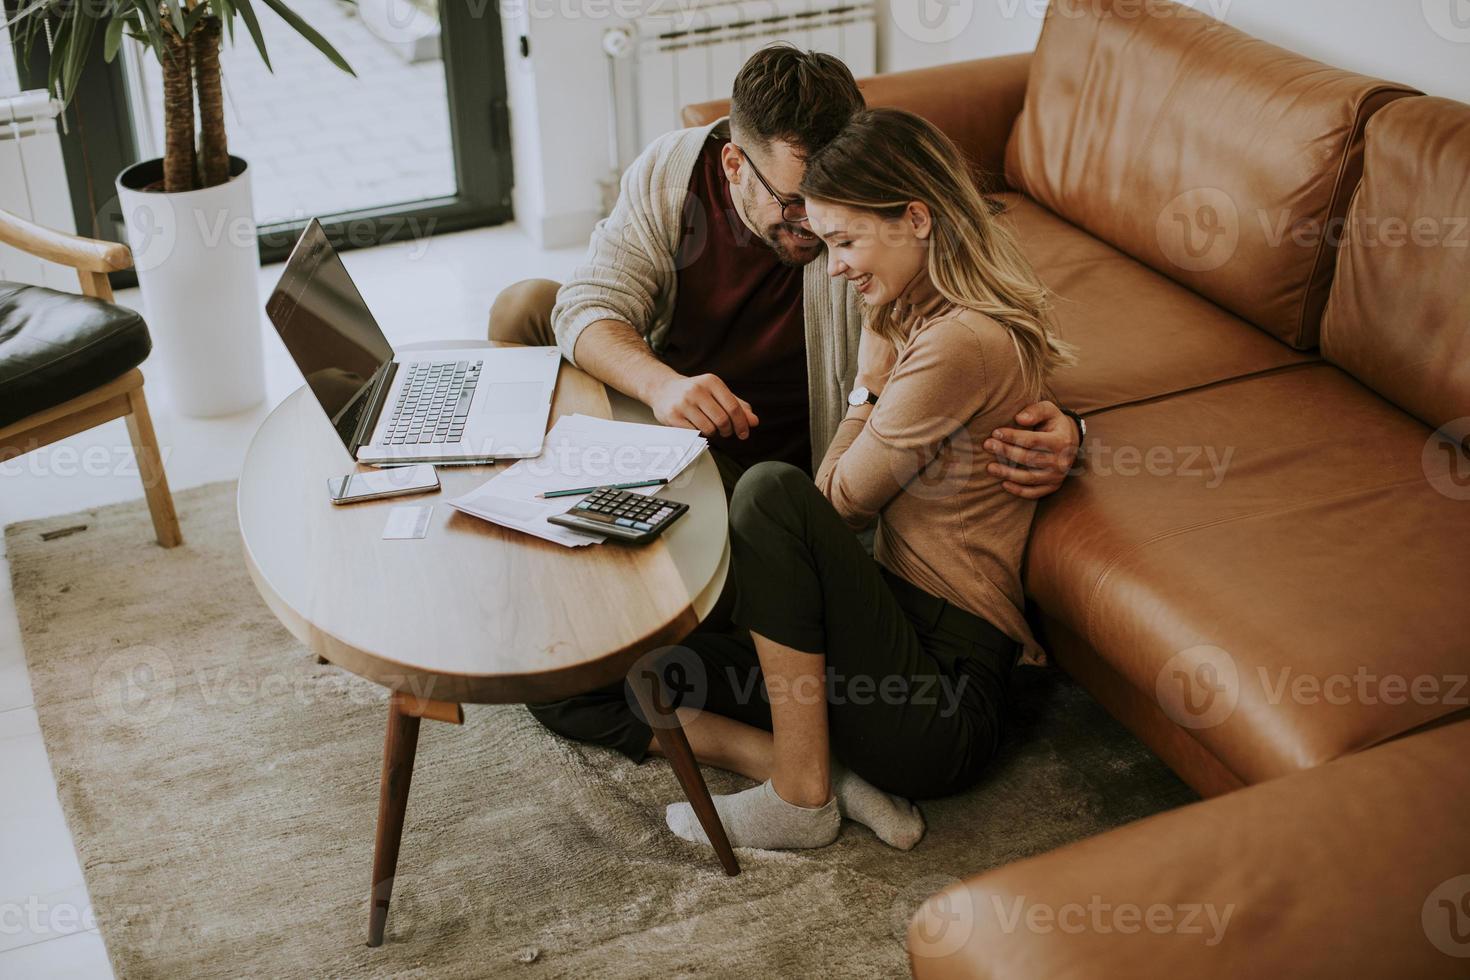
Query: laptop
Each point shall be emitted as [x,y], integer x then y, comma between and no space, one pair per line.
[450,406]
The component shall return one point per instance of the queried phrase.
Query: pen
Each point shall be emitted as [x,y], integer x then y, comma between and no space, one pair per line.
[606,486]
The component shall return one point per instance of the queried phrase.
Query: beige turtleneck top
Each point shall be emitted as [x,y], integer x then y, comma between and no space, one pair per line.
[916,462]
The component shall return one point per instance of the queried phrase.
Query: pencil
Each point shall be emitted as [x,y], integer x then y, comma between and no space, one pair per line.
[605,486]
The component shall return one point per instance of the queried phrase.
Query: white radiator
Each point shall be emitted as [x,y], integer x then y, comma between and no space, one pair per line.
[33,183]
[692,55]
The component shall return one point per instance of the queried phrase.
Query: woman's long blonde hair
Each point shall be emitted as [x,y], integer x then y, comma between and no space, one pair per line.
[886,158]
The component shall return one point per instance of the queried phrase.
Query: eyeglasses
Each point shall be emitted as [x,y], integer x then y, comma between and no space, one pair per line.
[792,211]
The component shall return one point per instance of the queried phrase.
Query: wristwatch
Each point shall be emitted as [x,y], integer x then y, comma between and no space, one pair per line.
[861,396]
[1081,426]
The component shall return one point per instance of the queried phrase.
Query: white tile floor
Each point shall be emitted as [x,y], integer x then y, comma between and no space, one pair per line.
[439,288]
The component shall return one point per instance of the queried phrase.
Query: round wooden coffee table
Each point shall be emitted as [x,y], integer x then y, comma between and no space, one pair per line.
[473,612]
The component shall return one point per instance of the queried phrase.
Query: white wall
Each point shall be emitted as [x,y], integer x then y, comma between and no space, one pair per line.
[559,99]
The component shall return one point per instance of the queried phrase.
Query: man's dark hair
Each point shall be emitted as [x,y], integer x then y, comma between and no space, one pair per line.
[799,97]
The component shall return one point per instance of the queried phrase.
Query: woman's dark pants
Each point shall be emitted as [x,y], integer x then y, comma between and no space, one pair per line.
[916,687]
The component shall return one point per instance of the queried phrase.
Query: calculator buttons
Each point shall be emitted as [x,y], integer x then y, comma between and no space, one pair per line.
[621,515]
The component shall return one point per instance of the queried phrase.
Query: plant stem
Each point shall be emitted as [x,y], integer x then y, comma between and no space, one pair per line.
[214,153]
[178,113]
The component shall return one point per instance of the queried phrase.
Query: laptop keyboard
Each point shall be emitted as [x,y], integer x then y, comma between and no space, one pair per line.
[433,403]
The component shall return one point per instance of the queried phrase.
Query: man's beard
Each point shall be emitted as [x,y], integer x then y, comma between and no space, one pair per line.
[788,252]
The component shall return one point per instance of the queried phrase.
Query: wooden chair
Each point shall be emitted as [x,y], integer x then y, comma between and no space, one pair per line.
[121,397]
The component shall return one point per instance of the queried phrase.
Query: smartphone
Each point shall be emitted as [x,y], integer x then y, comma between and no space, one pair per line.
[377,484]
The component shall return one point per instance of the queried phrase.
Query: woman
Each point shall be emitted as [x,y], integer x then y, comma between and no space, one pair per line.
[884,677]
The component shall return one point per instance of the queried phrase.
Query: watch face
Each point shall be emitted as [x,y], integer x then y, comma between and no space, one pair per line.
[859,396]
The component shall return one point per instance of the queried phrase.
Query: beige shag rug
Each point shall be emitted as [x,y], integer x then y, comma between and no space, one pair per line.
[222,789]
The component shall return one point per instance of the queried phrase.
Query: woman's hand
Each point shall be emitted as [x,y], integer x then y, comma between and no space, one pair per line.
[876,357]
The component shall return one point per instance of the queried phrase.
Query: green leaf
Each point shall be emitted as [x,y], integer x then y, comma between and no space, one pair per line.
[227,17]
[307,31]
[193,17]
[25,12]
[82,31]
[148,14]
[253,26]
[176,14]
[113,39]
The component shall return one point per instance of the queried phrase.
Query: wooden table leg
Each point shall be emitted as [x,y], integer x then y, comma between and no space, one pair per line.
[675,745]
[400,745]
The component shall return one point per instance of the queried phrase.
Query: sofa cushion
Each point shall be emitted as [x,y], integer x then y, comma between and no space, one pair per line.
[55,346]
[1356,869]
[975,103]
[1278,541]
[1399,315]
[1141,335]
[1216,158]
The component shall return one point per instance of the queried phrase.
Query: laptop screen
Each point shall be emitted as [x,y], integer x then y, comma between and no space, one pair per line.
[329,330]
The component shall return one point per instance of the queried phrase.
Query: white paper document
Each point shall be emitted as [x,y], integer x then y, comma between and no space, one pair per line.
[580,451]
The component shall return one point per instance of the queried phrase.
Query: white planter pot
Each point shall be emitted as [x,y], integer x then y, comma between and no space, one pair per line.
[198,265]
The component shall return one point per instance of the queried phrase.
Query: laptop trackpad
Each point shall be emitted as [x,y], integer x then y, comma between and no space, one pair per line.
[513,397]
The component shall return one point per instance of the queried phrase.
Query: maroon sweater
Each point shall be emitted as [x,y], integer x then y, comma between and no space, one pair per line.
[738,316]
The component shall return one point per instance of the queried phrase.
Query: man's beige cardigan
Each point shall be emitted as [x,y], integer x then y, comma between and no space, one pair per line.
[629,275]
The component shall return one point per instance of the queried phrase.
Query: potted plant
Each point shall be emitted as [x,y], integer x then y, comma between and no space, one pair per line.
[188,214]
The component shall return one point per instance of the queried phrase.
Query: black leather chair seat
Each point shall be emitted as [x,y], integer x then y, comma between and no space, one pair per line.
[55,346]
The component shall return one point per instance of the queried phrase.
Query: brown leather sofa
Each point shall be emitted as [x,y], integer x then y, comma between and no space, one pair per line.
[1262,567]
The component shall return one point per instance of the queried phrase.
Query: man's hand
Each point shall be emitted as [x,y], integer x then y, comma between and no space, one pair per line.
[705,403]
[1034,460]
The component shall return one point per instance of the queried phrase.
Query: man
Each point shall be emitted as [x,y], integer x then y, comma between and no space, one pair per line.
[702,298]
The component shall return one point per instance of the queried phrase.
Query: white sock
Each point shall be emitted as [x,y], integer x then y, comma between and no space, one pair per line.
[758,817]
[894,820]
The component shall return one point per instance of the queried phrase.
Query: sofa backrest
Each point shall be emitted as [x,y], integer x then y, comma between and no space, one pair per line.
[1399,316]
[1219,160]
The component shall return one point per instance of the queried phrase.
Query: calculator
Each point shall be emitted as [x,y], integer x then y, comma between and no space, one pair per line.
[621,515]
